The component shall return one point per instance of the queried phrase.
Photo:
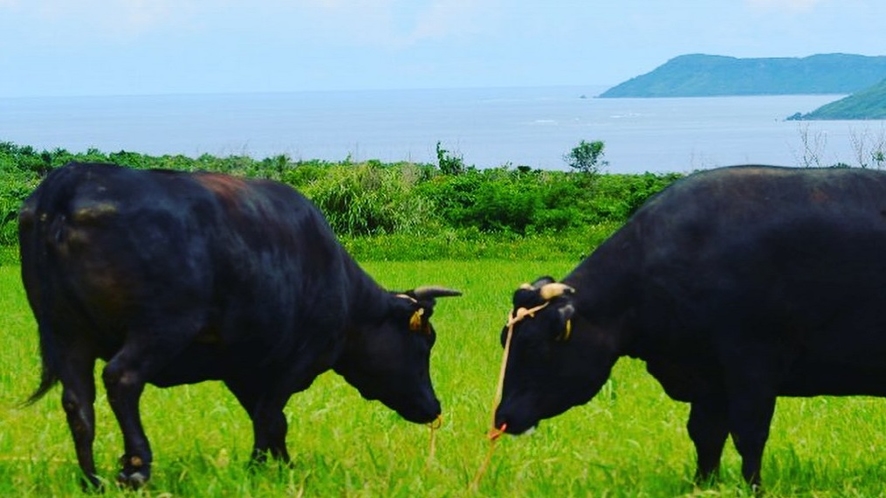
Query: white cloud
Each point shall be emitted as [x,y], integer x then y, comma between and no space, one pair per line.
[790,5]
[144,15]
[367,23]
[400,23]
[446,17]
[116,18]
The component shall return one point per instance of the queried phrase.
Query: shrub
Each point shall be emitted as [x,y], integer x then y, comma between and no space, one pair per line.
[586,157]
[448,163]
[370,199]
[520,201]
[619,195]
[462,210]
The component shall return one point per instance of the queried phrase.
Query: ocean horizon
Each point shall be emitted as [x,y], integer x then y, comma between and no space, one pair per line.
[486,127]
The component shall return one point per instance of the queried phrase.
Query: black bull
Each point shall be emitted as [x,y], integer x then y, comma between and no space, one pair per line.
[176,278]
[735,286]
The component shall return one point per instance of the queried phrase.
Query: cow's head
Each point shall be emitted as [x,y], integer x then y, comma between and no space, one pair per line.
[556,359]
[389,359]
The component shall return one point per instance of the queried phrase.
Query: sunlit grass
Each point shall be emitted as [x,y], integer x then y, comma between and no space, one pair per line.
[630,441]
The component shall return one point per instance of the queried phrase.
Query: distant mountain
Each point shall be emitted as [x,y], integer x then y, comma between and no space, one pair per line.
[699,75]
[869,103]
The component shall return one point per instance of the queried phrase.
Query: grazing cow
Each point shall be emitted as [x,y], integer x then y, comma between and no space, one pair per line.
[735,286]
[176,278]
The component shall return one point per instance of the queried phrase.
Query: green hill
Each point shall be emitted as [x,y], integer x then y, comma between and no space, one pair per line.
[700,75]
[869,103]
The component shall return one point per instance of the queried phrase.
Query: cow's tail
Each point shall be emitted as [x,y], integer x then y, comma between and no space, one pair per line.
[48,377]
[43,213]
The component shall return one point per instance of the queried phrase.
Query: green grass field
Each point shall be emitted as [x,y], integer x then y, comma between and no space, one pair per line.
[629,441]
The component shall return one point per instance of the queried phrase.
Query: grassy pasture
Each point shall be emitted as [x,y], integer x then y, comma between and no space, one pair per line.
[629,441]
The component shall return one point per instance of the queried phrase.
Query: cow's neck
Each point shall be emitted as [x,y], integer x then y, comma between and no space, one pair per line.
[605,292]
[367,300]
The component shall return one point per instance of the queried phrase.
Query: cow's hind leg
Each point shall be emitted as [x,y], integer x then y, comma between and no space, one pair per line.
[269,424]
[78,398]
[125,376]
[708,427]
[125,382]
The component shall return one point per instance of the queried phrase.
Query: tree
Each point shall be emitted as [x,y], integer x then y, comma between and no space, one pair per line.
[587,158]
[449,164]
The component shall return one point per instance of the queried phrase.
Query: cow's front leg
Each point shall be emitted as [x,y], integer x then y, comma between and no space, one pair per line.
[125,384]
[269,424]
[708,427]
[752,369]
[269,429]
[750,414]
[749,425]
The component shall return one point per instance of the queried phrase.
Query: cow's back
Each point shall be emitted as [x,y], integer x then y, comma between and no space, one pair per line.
[747,226]
[108,250]
[789,261]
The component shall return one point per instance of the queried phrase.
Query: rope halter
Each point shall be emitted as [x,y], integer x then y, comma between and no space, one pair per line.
[519,315]
[513,319]
[547,292]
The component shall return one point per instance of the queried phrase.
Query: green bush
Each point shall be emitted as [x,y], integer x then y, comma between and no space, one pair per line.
[20,171]
[521,201]
[618,196]
[587,158]
[15,186]
[416,209]
[470,244]
[370,199]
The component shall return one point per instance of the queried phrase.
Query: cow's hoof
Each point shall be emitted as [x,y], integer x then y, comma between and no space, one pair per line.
[92,484]
[133,480]
[135,473]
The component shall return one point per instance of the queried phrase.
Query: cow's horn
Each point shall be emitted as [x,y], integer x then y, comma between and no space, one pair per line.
[550,291]
[432,291]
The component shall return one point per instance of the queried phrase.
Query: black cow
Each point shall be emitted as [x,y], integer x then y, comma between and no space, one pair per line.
[175,278]
[736,286]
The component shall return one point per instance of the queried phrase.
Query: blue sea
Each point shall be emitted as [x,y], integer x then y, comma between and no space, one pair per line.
[487,127]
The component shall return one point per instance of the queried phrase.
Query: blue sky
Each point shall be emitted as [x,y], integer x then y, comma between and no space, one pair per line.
[109,47]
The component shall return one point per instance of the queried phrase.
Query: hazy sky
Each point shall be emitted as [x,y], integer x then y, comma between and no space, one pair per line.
[100,47]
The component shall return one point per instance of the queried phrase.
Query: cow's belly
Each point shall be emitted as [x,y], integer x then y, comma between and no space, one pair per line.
[683,381]
[197,363]
[686,382]
[202,361]
[821,378]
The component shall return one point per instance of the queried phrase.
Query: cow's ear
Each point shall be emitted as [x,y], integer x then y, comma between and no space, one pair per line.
[564,328]
[528,295]
[415,313]
[417,321]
